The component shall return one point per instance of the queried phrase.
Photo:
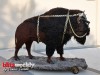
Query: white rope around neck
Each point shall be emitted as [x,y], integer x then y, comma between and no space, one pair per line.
[75,33]
[65,27]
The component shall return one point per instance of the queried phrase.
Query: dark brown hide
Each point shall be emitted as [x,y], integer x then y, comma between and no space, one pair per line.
[50,32]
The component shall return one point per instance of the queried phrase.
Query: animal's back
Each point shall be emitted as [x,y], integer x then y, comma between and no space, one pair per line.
[25,31]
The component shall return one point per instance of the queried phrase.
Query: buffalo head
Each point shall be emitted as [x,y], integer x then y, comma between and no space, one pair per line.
[80,27]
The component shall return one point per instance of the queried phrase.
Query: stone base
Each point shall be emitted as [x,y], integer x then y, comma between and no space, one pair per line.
[40,63]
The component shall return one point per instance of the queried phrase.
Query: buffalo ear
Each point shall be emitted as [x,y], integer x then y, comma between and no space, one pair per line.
[80,40]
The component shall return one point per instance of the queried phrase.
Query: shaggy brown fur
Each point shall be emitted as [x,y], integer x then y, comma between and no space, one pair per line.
[50,32]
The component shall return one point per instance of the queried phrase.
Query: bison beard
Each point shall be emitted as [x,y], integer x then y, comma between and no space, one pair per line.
[80,40]
[50,32]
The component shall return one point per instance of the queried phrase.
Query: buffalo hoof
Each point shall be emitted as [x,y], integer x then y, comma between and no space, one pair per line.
[31,57]
[16,58]
[62,58]
[50,61]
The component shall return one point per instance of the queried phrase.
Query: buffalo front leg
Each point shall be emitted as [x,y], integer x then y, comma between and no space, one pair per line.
[49,51]
[60,51]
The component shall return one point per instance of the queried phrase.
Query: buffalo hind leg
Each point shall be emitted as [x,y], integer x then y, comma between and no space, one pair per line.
[18,46]
[60,51]
[28,47]
[49,51]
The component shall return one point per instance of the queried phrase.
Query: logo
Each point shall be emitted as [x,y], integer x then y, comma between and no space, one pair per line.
[9,66]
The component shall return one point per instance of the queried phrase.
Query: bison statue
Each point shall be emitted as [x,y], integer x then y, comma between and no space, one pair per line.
[54,28]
